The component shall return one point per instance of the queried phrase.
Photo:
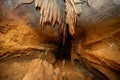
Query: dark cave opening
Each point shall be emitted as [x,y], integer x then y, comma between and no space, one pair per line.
[64,50]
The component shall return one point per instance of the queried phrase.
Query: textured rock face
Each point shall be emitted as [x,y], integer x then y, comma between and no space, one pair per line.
[96,43]
[42,70]
[100,49]
[20,30]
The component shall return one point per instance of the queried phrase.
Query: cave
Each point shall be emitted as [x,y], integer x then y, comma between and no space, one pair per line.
[59,39]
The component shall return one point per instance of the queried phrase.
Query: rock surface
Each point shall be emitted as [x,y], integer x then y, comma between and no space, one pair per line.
[96,43]
[42,70]
[100,49]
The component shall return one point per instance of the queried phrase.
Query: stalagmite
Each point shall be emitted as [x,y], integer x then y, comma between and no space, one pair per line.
[42,70]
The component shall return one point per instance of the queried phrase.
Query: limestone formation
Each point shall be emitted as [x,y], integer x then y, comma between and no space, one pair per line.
[100,49]
[42,70]
[95,43]
[57,13]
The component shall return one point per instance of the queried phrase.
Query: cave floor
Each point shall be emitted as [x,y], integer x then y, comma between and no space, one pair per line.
[15,68]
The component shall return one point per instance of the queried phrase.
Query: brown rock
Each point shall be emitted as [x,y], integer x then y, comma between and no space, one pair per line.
[100,49]
[42,70]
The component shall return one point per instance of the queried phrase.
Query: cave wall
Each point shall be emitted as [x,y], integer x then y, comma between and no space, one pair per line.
[20,30]
[96,41]
[100,48]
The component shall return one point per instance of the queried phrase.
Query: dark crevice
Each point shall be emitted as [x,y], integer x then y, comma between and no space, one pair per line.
[64,50]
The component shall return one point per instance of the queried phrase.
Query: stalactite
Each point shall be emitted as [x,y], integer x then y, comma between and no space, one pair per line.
[52,11]
[58,12]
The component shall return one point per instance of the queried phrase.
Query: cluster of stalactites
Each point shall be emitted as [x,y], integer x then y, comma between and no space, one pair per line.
[73,11]
[60,13]
[52,11]
[57,13]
